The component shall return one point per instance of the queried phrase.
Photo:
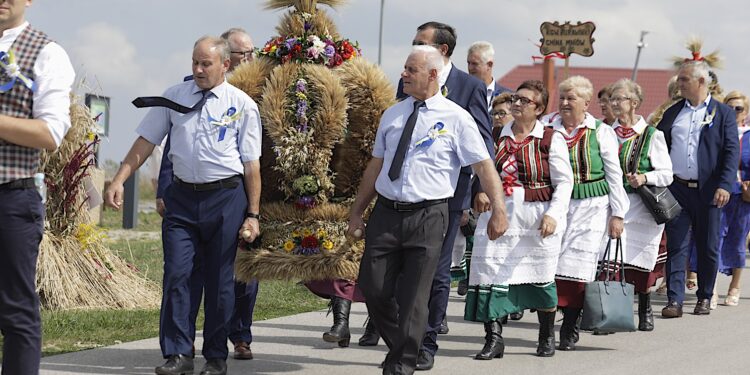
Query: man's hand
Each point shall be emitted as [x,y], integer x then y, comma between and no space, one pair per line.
[481,202]
[160,207]
[616,225]
[113,195]
[250,229]
[356,229]
[464,218]
[497,225]
[721,197]
[548,226]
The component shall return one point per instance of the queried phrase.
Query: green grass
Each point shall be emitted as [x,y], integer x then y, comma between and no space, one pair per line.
[69,331]
[147,222]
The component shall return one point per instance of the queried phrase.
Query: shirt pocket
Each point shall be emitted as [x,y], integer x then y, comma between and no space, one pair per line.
[223,137]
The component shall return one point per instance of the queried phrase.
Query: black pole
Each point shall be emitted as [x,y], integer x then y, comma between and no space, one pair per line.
[130,202]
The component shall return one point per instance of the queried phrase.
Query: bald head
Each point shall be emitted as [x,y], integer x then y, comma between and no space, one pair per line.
[421,71]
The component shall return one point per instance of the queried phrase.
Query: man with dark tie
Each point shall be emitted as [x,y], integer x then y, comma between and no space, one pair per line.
[215,195]
[420,146]
[34,115]
[701,135]
[470,94]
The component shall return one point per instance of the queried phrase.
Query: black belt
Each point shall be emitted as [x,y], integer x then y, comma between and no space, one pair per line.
[692,184]
[407,206]
[227,183]
[23,183]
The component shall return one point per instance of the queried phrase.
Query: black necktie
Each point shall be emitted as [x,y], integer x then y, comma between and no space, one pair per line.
[158,101]
[403,143]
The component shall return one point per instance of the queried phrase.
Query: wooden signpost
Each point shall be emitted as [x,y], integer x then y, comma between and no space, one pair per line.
[567,39]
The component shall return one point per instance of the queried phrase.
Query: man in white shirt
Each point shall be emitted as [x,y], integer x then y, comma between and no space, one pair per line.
[420,146]
[34,115]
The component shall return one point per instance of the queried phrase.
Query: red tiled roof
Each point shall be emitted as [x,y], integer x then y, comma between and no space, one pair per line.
[652,81]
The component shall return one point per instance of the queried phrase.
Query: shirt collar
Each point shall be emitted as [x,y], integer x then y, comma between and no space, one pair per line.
[444,73]
[537,132]
[703,104]
[431,102]
[588,122]
[639,126]
[13,33]
[218,91]
[491,86]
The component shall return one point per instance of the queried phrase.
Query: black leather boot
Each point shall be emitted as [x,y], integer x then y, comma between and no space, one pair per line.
[546,347]
[176,365]
[516,315]
[645,314]
[339,332]
[494,347]
[569,329]
[371,335]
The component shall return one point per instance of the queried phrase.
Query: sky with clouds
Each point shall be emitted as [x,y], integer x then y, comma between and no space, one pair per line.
[129,48]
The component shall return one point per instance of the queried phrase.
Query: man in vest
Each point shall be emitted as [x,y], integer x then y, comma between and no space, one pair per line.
[34,115]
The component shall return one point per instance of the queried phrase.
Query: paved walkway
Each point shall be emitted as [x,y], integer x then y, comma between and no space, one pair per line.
[718,343]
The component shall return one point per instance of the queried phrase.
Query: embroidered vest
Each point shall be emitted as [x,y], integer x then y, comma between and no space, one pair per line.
[627,153]
[532,162]
[588,167]
[16,161]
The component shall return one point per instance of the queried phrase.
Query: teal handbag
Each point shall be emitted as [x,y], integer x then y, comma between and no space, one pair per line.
[608,304]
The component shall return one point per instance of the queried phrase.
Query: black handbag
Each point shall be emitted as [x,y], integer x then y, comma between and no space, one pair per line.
[657,199]
[608,304]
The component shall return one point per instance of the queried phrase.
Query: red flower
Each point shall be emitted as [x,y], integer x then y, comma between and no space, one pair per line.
[310,242]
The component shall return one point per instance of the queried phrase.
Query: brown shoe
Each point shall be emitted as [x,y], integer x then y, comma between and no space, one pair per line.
[242,350]
[703,307]
[673,310]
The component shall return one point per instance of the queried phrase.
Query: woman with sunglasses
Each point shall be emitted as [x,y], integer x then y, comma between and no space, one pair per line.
[598,203]
[533,164]
[644,258]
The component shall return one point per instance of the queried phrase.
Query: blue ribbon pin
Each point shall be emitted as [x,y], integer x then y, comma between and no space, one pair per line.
[432,134]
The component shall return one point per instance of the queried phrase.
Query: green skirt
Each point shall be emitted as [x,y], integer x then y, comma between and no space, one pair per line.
[485,303]
[533,296]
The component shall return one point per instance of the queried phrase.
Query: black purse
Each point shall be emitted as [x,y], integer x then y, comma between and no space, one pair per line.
[657,199]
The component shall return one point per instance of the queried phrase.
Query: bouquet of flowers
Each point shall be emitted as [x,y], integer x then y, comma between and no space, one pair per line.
[308,242]
[311,49]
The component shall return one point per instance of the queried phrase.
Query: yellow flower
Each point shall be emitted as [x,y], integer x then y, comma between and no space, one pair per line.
[301,96]
[289,245]
[90,136]
[322,233]
[328,245]
[306,232]
[273,49]
[295,233]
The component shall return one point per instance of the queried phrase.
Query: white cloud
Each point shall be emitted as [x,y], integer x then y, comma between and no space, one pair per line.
[105,51]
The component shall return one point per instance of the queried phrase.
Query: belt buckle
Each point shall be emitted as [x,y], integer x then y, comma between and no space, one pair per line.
[692,185]
[400,206]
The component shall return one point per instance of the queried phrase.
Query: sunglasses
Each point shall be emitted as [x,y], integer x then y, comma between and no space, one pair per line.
[739,109]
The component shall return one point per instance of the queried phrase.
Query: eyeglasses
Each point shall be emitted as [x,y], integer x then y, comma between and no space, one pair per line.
[524,101]
[739,109]
[603,101]
[618,99]
[248,53]
[499,114]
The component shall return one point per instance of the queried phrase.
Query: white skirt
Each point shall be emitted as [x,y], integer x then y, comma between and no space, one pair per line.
[521,255]
[588,220]
[641,238]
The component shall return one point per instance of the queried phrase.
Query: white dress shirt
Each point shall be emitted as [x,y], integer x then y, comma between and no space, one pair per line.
[54,75]
[490,91]
[609,152]
[429,171]
[686,136]
[198,152]
[658,155]
[444,73]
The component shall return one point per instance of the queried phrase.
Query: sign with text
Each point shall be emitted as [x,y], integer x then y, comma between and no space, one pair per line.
[567,38]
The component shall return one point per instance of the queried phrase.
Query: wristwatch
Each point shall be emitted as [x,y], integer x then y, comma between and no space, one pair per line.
[252,215]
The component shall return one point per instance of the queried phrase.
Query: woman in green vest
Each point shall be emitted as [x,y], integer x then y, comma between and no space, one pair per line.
[645,160]
[598,203]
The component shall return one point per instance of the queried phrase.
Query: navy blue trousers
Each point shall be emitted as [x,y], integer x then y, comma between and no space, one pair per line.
[705,220]
[441,284]
[242,315]
[21,228]
[204,226]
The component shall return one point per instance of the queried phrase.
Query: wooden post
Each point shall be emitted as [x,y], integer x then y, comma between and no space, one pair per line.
[548,78]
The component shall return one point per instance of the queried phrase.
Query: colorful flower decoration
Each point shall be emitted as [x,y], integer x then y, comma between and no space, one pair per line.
[306,187]
[308,242]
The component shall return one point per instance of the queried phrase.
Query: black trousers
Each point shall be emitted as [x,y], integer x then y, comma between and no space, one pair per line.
[21,228]
[401,246]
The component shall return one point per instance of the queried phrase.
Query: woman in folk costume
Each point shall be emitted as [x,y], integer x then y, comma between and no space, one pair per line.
[645,160]
[533,163]
[598,203]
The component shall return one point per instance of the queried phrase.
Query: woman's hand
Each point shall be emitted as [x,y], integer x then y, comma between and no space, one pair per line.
[636,180]
[548,226]
[616,226]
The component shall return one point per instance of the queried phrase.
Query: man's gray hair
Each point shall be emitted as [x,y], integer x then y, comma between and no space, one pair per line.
[432,56]
[235,30]
[700,70]
[484,49]
[220,44]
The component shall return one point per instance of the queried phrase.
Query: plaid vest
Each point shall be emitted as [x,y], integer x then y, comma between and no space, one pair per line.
[532,161]
[18,162]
